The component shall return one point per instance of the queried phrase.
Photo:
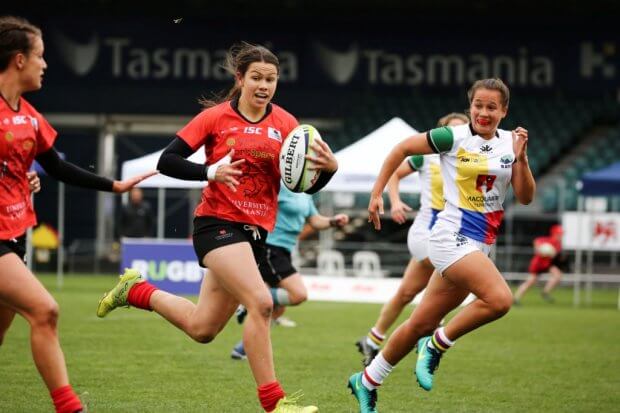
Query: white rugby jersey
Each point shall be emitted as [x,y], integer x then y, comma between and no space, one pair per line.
[476,174]
[431,188]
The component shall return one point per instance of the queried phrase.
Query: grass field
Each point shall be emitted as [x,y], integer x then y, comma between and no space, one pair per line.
[539,358]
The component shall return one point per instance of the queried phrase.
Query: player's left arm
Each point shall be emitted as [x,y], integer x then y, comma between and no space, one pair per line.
[321,222]
[72,174]
[522,179]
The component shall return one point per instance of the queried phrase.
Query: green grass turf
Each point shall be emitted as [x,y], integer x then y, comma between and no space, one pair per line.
[539,358]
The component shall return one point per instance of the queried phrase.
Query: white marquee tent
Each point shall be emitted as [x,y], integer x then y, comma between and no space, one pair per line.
[359,163]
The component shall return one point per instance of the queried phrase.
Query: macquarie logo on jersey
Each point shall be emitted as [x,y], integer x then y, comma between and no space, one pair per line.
[169,270]
[125,57]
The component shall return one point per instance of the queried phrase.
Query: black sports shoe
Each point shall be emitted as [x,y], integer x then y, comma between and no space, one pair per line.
[241,313]
[367,351]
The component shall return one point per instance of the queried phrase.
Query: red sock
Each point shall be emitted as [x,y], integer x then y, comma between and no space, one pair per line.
[269,395]
[65,400]
[140,295]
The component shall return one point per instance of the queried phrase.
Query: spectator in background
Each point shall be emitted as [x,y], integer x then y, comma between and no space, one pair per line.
[137,219]
[547,257]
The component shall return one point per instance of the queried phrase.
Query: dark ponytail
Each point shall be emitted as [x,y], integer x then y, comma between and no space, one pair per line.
[238,60]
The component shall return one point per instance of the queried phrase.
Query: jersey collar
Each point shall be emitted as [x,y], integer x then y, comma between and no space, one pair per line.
[234,104]
[474,133]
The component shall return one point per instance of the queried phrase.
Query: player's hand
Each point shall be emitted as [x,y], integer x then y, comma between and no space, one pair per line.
[339,220]
[519,143]
[34,183]
[375,208]
[227,171]
[120,187]
[323,159]
[399,212]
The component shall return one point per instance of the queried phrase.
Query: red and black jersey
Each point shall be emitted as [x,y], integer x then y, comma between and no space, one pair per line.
[222,128]
[24,134]
[538,263]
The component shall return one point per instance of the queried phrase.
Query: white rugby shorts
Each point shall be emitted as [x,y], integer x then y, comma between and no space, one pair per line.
[417,239]
[446,246]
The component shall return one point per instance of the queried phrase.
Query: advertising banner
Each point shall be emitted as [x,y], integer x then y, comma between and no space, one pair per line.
[168,264]
[595,231]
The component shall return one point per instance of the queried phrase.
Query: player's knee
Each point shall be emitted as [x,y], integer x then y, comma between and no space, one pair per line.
[406,296]
[501,304]
[204,335]
[46,315]
[298,297]
[262,306]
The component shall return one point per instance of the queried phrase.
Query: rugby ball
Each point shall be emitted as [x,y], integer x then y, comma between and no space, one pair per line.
[293,163]
[546,250]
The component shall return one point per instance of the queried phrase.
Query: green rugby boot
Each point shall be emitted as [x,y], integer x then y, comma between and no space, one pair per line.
[367,399]
[289,404]
[428,361]
[117,296]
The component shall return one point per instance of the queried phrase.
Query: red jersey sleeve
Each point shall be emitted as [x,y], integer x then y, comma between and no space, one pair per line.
[46,134]
[198,130]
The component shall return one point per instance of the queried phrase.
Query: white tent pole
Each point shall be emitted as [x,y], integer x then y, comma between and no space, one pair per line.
[577,282]
[589,263]
[161,213]
[60,257]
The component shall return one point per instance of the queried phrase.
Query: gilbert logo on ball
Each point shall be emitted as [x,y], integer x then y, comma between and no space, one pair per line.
[293,163]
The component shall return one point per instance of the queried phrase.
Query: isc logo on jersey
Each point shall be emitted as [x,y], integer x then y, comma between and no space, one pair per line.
[293,163]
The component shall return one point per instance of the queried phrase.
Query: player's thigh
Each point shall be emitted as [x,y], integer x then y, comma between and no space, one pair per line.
[416,277]
[21,290]
[475,272]
[555,271]
[293,284]
[441,297]
[235,269]
[215,304]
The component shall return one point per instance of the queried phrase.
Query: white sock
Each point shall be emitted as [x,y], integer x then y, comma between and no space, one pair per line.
[439,341]
[374,374]
[280,296]
[374,338]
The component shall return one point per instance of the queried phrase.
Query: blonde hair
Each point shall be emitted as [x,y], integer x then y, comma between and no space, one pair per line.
[451,116]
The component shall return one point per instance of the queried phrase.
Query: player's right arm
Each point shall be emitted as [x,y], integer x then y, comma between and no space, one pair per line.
[398,208]
[436,140]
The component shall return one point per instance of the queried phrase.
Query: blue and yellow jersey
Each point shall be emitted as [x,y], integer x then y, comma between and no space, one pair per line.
[476,174]
[431,187]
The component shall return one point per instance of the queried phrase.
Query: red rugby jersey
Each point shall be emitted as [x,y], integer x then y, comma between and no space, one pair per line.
[24,134]
[222,128]
[544,240]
